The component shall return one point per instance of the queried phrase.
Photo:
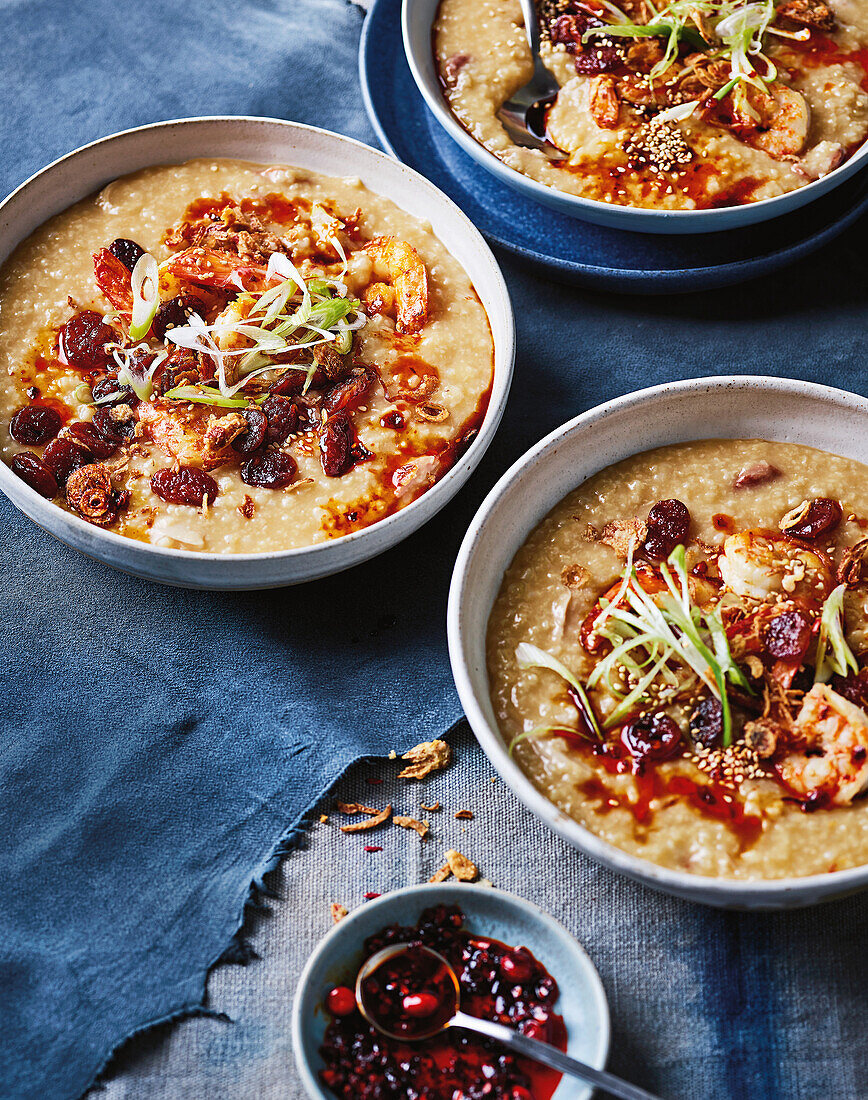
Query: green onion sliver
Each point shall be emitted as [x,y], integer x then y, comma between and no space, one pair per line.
[145,284]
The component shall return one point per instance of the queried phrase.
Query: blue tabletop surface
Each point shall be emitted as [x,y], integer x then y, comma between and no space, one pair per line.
[159,745]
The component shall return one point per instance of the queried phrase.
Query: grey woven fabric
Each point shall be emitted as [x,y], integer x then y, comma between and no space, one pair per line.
[704,1004]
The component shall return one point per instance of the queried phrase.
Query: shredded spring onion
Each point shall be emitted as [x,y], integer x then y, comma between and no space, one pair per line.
[145,283]
[207,395]
[294,316]
[531,656]
[834,656]
[738,37]
[670,629]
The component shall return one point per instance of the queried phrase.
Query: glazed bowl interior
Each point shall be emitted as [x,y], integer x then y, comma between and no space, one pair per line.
[417,22]
[488,912]
[263,141]
[736,407]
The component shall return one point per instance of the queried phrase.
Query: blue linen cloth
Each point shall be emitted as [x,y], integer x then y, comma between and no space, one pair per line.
[159,745]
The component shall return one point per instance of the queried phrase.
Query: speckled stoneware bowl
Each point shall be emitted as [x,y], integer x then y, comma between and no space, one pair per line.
[263,141]
[734,407]
[489,912]
[417,22]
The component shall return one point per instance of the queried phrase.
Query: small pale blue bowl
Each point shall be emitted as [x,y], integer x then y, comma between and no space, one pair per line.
[417,19]
[488,912]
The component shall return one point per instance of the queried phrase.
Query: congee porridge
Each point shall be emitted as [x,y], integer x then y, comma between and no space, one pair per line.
[225,357]
[678,658]
[690,105]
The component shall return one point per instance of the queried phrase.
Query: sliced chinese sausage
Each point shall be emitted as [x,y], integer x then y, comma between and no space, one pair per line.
[282,417]
[184,485]
[668,527]
[253,438]
[88,436]
[816,520]
[35,473]
[83,339]
[706,722]
[336,445]
[64,456]
[35,424]
[127,251]
[652,737]
[787,636]
[273,470]
[755,473]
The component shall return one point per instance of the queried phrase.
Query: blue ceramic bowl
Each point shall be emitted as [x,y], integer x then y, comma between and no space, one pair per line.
[489,912]
[417,20]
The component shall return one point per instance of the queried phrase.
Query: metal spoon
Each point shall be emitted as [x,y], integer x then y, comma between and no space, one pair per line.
[523,114]
[521,1044]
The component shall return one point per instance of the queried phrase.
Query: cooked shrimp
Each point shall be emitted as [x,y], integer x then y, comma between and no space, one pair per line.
[191,436]
[212,267]
[406,293]
[604,104]
[786,119]
[835,759]
[181,439]
[113,279]
[759,565]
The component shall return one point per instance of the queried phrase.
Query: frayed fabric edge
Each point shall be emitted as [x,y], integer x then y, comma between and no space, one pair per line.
[239,951]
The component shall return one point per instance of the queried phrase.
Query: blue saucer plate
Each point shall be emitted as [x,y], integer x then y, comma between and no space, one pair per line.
[563,247]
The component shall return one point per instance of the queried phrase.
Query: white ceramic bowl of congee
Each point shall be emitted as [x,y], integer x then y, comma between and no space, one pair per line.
[746,407]
[261,141]
[418,17]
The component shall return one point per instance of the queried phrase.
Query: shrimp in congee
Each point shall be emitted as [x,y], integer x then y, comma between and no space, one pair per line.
[248,357]
[678,658]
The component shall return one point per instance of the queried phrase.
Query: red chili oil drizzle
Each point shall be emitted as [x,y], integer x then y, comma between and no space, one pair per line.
[710,798]
[496,982]
[273,206]
[820,49]
[342,520]
[63,410]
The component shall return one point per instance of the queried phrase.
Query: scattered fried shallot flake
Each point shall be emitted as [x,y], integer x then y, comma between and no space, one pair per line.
[393,755]
[371,823]
[755,473]
[464,815]
[430,809]
[338,911]
[591,533]
[755,666]
[441,874]
[371,894]
[851,571]
[247,508]
[323,819]
[429,756]
[350,809]
[575,576]
[460,866]
[620,533]
[421,827]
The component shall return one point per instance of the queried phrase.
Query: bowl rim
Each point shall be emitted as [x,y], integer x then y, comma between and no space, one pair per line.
[528,910]
[715,890]
[542,193]
[500,385]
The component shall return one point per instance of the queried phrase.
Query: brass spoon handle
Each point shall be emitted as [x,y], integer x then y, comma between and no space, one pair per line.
[551,1056]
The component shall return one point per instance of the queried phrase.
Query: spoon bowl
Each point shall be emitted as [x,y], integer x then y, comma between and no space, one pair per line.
[523,115]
